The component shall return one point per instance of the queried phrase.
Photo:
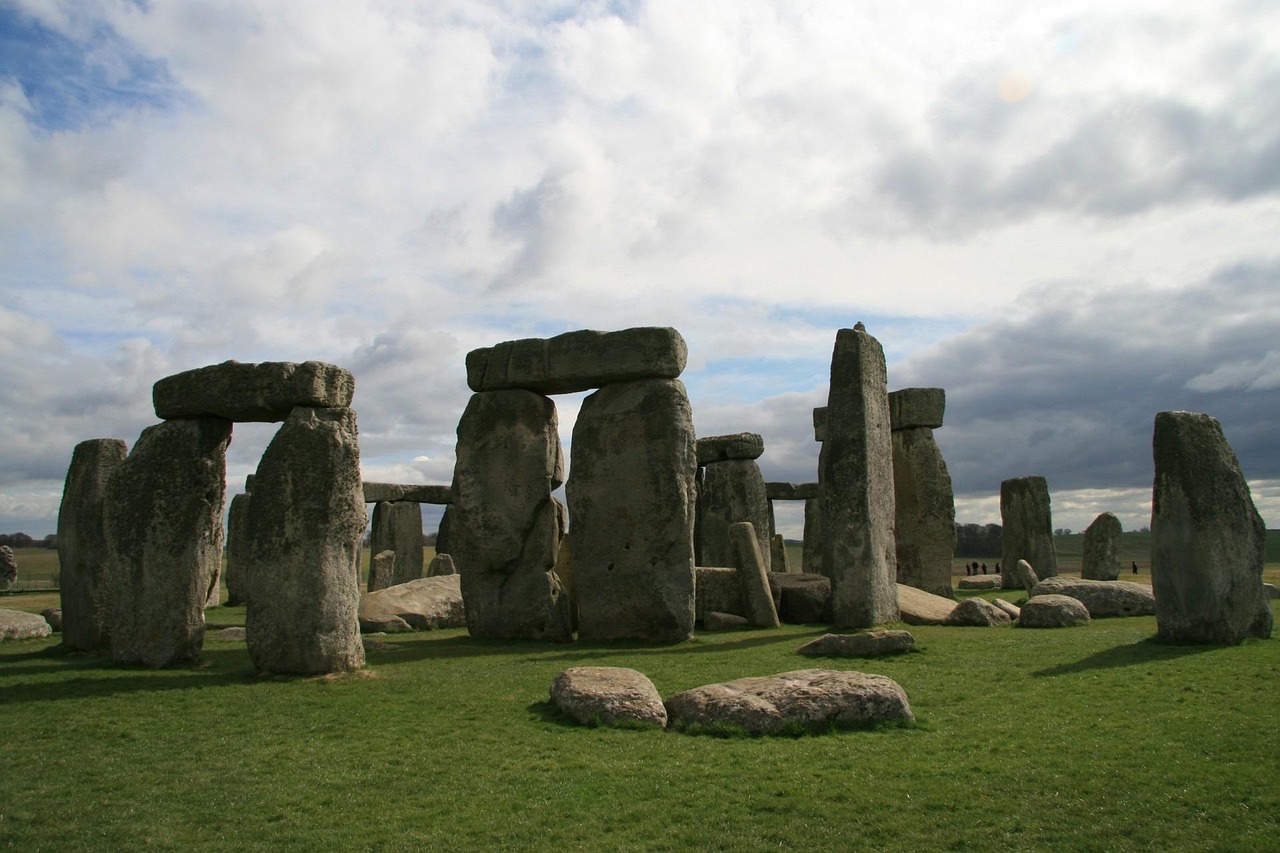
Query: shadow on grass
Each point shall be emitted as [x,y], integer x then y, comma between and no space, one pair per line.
[1141,652]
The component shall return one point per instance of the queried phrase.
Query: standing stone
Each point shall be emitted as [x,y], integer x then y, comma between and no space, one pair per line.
[1207,539]
[730,492]
[85,580]
[441,565]
[857,485]
[397,527]
[382,570]
[631,496]
[811,555]
[443,545]
[237,552]
[503,532]
[925,511]
[1028,525]
[306,522]
[8,569]
[1101,558]
[778,559]
[163,521]
[753,576]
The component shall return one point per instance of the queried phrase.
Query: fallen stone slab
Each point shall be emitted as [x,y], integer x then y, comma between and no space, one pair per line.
[982,582]
[868,645]
[1053,611]
[777,491]
[918,607]
[801,599]
[608,696]
[978,613]
[578,361]
[53,616]
[391,492]
[20,625]
[419,605]
[917,407]
[1012,609]
[265,392]
[722,448]
[1102,598]
[714,620]
[807,699]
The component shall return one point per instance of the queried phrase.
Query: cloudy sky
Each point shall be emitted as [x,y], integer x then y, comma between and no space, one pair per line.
[1064,214]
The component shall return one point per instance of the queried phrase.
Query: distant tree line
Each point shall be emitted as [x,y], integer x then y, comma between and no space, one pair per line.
[979,540]
[22,540]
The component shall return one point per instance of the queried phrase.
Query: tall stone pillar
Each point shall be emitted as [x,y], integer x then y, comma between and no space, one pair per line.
[1100,559]
[397,526]
[815,552]
[237,553]
[632,500]
[503,522]
[924,505]
[1028,525]
[85,580]
[857,485]
[732,490]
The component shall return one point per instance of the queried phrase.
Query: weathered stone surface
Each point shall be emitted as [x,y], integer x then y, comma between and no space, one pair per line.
[504,532]
[265,392]
[1270,591]
[86,591]
[419,605]
[1052,611]
[1012,609]
[53,616]
[443,544]
[1026,576]
[820,423]
[714,620]
[631,497]
[235,575]
[801,599]
[162,514]
[397,527]
[382,570]
[717,589]
[777,491]
[1100,560]
[981,582]
[753,575]
[1028,525]
[1102,598]
[778,559]
[1207,539]
[910,408]
[978,613]
[379,492]
[730,492]
[810,699]
[722,448]
[924,511]
[20,625]
[857,483]
[8,568]
[811,548]
[578,361]
[869,645]
[607,695]
[304,531]
[442,565]
[918,607]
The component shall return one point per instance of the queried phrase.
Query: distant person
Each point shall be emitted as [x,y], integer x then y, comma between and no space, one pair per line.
[1135,567]
[997,568]
[984,568]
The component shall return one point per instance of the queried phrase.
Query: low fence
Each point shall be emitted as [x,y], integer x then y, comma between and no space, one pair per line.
[32,586]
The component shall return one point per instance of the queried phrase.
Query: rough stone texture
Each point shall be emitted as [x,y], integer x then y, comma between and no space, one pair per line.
[632,500]
[237,558]
[923,608]
[1028,525]
[418,605]
[306,522]
[811,699]
[811,548]
[8,568]
[753,575]
[442,565]
[1012,609]
[382,570]
[778,491]
[717,589]
[869,645]
[578,361]
[722,448]
[978,613]
[379,492]
[503,532]
[1052,611]
[820,423]
[53,616]
[1100,560]
[87,596]
[20,625]
[1102,598]
[981,582]
[730,492]
[910,408]
[801,599]
[778,559]
[607,695]
[1207,539]
[1026,576]
[162,514]
[714,620]
[924,511]
[1270,591]
[264,392]
[857,483]
[397,527]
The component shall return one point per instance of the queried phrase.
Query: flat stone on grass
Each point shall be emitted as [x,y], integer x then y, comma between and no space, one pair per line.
[978,613]
[20,625]
[1053,611]
[608,696]
[869,645]
[1102,598]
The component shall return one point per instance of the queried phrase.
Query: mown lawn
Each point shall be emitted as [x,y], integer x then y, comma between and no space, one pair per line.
[1090,738]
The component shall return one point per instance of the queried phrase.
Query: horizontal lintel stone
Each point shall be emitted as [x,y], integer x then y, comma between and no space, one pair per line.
[578,361]
[917,407]
[721,448]
[263,392]
[379,492]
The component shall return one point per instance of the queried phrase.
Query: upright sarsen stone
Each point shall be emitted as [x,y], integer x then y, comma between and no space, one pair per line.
[1207,540]
[631,497]
[82,544]
[857,485]
[397,527]
[925,512]
[1100,560]
[235,576]
[163,520]
[306,522]
[1028,525]
[731,491]
[503,527]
